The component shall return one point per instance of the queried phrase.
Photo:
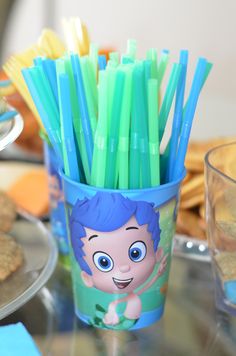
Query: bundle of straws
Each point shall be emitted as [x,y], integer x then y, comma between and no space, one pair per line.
[104,118]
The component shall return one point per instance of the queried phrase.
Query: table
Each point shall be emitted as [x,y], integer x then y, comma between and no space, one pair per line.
[191,325]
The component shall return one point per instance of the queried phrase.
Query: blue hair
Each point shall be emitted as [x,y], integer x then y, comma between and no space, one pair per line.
[106,212]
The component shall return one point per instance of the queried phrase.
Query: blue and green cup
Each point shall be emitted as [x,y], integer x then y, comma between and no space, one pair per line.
[57,205]
[120,249]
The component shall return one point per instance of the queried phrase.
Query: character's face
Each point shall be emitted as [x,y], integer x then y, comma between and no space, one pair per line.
[120,260]
[54,187]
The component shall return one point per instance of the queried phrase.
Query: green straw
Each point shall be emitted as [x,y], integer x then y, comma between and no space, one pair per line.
[132,48]
[100,141]
[152,56]
[162,67]
[123,149]
[113,138]
[114,57]
[142,110]
[154,153]
[168,98]
[134,166]
[77,120]
[89,94]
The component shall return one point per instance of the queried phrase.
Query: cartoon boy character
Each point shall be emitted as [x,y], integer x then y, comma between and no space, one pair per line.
[115,241]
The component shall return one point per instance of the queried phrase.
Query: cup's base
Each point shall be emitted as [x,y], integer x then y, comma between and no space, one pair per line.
[146,320]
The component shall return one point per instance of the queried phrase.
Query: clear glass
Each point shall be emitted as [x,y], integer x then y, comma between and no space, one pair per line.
[10,130]
[40,257]
[220,186]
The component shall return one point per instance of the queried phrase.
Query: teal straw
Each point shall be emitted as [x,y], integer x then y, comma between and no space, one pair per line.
[152,56]
[132,48]
[168,98]
[177,120]
[188,117]
[123,149]
[67,134]
[100,141]
[113,137]
[77,122]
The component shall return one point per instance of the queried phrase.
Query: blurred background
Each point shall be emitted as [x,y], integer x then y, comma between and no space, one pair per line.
[206,28]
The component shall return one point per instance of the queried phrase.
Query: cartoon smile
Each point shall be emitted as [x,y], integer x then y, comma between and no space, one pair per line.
[122,283]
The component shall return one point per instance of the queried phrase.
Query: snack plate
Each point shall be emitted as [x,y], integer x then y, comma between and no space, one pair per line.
[40,257]
[10,130]
[192,248]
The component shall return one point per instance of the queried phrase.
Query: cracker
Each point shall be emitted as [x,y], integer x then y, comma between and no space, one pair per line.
[11,256]
[188,224]
[192,202]
[7,212]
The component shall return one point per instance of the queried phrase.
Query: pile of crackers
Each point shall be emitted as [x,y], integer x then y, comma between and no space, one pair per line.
[191,216]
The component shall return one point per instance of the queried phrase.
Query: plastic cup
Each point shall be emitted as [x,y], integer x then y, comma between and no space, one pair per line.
[57,206]
[120,248]
[220,185]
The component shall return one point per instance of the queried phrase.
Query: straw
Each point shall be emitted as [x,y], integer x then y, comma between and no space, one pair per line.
[100,141]
[188,117]
[102,62]
[153,132]
[110,179]
[152,56]
[162,67]
[168,98]
[32,83]
[13,69]
[83,108]
[93,56]
[88,93]
[141,104]
[132,48]
[50,71]
[114,57]
[134,166]
[68,143]
[177,120]
[125,59]
[82,154]
[8,115]
[123,148]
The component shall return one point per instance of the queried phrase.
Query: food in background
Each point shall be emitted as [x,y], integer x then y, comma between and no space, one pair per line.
[7,212]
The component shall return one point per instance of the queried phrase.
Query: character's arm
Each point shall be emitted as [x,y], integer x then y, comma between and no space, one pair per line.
[160,271]
[111,317]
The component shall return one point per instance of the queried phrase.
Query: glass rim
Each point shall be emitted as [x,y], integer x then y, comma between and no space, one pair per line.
[210,165]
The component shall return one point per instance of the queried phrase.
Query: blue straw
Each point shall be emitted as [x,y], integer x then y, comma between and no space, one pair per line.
[5,83]
[83,108]
[102,62]
[49,68]
[54,139]
[67,134]
[8,115]
[177,120]
[188,117]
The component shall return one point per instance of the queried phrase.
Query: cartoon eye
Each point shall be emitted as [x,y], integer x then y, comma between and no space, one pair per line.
[103,261]
[137,251]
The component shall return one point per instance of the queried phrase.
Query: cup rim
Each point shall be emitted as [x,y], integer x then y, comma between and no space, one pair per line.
[216,170]
[126,191]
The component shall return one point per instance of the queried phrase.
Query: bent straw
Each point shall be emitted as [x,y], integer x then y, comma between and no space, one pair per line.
[161,68]
[177,120]
[168,98]
[83,108]
[68,143]
[188,117]
[114,131]
[123,148]
[102,62]
[84,167]
[143,121]
[42,109]
[134,166]
[154,153]
[100,141]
